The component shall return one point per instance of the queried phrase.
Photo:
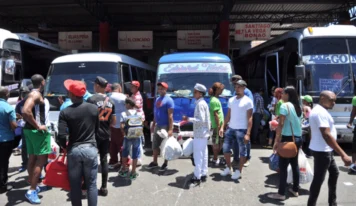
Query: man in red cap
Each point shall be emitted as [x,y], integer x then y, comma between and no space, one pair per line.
[107,119]
[137,97]
[79,123]
[163,117]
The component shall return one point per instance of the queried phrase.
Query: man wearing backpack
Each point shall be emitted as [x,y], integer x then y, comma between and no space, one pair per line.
[107,119]
[163,116]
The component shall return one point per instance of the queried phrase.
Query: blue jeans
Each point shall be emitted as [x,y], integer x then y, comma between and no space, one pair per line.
[233,136]
[83,161]
[135,143]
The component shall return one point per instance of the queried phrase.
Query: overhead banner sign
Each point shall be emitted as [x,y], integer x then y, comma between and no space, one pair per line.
[195,39]
[75,40]
[135,40]
[329,59]
[252,31]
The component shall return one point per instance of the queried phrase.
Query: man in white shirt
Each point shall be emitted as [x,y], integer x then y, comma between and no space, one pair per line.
[322,144]
[201,128]
[239,118]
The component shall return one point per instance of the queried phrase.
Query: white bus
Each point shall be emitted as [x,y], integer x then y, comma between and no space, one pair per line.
[21,56]
[115,68]
[312,59]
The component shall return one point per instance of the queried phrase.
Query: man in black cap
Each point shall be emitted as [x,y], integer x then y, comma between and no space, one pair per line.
[107,119]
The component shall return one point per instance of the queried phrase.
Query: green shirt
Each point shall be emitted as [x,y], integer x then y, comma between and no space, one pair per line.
[354,101]
[215,105]
[278,106]
[291,120]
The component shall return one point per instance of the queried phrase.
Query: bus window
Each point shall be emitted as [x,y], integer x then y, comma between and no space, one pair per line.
[272,71]
[134,73]
[292,61]
[125,73]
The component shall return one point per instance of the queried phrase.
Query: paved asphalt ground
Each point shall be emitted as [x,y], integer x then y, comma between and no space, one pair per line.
[171,187]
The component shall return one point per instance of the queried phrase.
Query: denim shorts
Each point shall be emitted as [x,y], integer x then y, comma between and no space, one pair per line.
[233,135]
[135,144]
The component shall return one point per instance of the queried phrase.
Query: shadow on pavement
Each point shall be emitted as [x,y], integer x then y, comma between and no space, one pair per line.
[264,160]
[218,178]
[266,200]
[272,180]
[155,171]
[343,169]
[16,197]
[13,169]
[120,181]
[181,182]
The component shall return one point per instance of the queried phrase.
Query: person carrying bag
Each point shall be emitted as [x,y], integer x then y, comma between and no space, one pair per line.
[288,141]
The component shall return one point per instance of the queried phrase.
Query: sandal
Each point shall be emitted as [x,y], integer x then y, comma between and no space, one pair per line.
[276,196]
[295,194]
[133,176]
[123,173]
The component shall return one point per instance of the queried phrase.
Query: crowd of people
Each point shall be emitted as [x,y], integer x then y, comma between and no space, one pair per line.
[110,122]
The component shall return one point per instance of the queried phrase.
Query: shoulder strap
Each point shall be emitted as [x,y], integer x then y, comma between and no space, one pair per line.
[290,122]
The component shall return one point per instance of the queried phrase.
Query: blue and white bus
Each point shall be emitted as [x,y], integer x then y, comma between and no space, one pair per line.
[181,71]
[115,68]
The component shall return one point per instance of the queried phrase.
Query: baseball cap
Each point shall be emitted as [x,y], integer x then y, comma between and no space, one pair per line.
[200,88]
[163,84]
[101,81]
[77,88]
[307,98]
[236,78]
[242,83]
[136,83]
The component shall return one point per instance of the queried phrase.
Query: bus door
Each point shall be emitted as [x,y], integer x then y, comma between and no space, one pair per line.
[271,71]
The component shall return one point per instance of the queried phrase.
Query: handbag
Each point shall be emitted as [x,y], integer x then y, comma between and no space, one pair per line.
[288,149]
[57,173]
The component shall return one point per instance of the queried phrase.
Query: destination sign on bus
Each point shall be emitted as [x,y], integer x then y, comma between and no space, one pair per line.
[329,59]
[195,68]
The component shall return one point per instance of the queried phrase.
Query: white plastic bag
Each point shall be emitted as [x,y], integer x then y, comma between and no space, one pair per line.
[306,173]
[171,149]
[188,147]
[54,150]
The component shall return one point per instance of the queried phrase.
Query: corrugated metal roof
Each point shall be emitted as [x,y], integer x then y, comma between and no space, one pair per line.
[283,7]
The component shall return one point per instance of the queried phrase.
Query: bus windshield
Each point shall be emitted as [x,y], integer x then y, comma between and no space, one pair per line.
[182,77]
[87,72]
[328,65]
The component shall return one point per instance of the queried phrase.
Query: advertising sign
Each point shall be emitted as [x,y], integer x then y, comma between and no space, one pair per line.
[135,40]
[195,39]
[252,31]
[195,68]
[75,40]
[330,59]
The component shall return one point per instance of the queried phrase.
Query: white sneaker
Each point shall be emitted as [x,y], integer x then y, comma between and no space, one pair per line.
[247,163]
[217,162]
[236,175]
[225,172]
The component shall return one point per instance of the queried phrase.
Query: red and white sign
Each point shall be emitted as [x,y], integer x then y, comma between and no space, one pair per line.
[135,40]
[252,31]
[75,40]
[195,39]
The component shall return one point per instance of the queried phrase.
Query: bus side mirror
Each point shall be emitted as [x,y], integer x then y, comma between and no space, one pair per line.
[5,53]
[10,67]
[147,87]
[300,72]
[127,87]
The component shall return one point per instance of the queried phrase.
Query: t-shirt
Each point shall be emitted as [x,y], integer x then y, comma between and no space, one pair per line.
[105,114]
[320,117]
[162,105]
[239,108]
[81,121]
[354,101]
[278,106]
[119,101]
[7,115]
[215,105]
[291,119]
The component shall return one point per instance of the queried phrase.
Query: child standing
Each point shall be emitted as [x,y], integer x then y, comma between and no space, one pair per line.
[132,126]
